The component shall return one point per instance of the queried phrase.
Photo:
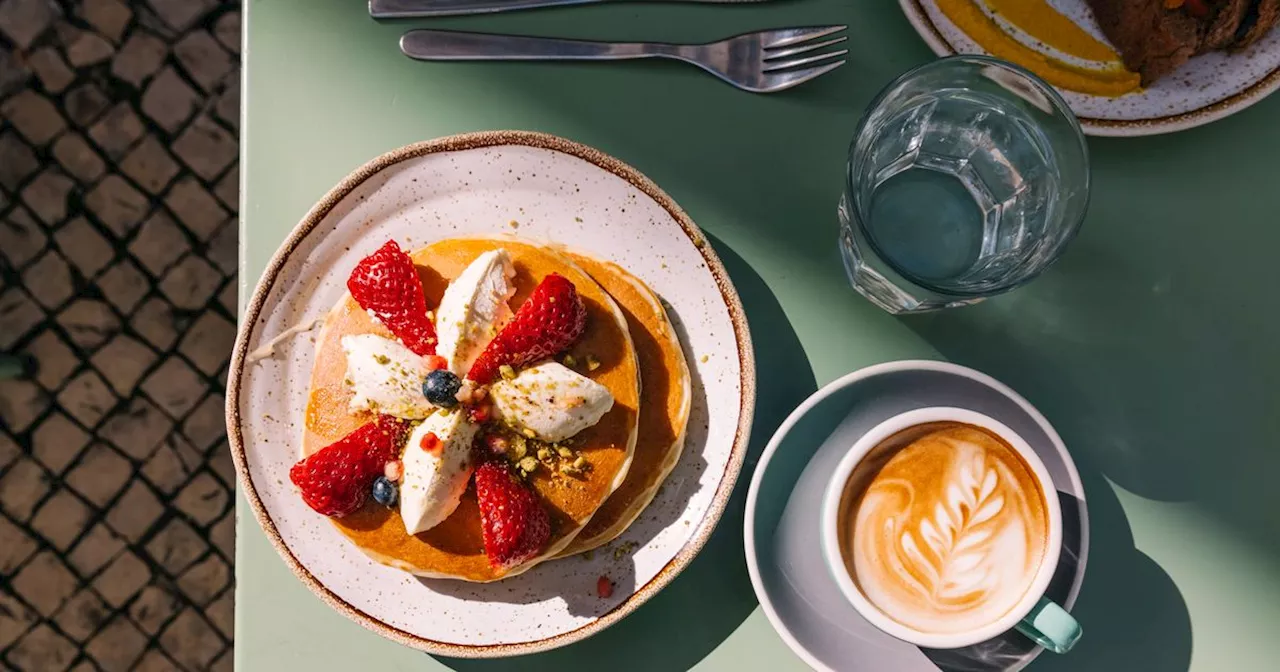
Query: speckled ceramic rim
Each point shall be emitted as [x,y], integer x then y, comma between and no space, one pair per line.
[849,379]
[1267,84]
[746,363]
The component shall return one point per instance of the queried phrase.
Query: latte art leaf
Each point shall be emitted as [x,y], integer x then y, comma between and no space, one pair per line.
[959,528]
[952,568]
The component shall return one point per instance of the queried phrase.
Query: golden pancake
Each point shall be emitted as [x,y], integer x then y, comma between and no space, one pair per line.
[664,402]
[454,548]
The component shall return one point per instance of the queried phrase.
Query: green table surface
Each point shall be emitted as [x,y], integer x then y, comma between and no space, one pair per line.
[1151,345]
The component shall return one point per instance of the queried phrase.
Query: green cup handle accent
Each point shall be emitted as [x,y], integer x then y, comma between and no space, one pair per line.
[1051,626]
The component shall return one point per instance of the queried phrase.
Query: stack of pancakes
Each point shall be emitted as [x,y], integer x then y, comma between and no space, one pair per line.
[631,450]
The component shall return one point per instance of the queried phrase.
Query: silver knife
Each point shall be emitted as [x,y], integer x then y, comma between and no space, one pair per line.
[408,9]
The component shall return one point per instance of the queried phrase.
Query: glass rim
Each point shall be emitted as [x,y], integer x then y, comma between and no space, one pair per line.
[1060,106]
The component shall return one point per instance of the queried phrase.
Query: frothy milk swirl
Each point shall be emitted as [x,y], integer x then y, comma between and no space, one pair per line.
[950,529]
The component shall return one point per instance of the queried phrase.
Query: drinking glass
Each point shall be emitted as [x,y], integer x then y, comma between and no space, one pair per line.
[967,177]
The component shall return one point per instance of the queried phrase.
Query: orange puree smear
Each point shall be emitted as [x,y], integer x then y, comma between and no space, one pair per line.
[1041,21]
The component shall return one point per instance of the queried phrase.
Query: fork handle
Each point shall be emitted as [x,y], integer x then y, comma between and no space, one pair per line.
[449,45]
[407,9]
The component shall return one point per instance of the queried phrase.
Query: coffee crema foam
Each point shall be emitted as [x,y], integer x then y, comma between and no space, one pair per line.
[943,527]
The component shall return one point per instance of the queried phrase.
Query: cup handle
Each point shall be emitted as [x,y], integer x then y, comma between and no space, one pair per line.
[1051,626]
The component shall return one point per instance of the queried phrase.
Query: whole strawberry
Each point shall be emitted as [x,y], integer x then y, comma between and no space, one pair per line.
[336,480]
[547,323]
[514,523]
[386,284]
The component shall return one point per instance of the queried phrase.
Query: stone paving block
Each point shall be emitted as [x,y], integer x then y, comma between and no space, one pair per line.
[78,157]
[181,14]
[206,147]
[150,165]
[57,441]
[139,57]
[191,641]
[53,71]
[85,104]
[124,285]
[109,17]
[169,101]
[61,519]
[22,21]
[159,243]
[46,195]
[49,280]
[81,244]
[101,474]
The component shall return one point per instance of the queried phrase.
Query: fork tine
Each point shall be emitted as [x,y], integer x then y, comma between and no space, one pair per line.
[773,66]
[770,54]
[781,38]
[778,81]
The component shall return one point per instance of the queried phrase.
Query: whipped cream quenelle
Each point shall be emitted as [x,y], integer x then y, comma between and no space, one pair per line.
[474,308]
[550,400]
[385,377]
[437,466]
[946,527]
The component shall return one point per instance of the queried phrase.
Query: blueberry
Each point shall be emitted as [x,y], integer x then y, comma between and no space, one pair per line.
[384,492]
[441,388]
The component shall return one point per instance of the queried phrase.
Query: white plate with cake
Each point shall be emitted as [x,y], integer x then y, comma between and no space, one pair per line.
[1126,67]
[491,394]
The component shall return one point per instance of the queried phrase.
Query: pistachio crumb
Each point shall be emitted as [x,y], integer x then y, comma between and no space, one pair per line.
[520,449]
[544,454]
[569,361]
[592,363]
[704,359]
[528,433]
[507,372]
[577,219]
[589,554]
[528,465]
[580,463]
[564,452]
[382,360]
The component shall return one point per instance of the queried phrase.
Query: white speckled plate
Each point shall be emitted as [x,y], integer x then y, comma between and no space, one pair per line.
[478,184]
[1206,89]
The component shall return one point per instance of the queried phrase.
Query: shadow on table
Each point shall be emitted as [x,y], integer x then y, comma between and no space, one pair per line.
[711,598]
[1134,617]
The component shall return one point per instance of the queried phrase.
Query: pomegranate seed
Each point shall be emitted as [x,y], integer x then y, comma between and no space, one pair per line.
[480,414]
[496,444]
[436,362]
[604,587]
[432,443]
[393,471]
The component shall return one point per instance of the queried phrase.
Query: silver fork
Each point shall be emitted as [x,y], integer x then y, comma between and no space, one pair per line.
[763,62]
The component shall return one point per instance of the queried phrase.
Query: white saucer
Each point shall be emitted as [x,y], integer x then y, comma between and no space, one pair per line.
[783,509]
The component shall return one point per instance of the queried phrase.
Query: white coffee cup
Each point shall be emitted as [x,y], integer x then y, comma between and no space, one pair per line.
[1033,615]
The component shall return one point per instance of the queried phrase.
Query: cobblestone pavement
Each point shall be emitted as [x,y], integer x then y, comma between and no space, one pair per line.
[118,198]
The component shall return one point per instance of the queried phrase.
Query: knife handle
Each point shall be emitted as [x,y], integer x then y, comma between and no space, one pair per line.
[408,9]
[449,45]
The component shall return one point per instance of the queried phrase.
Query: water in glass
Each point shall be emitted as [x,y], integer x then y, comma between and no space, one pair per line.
[957,188]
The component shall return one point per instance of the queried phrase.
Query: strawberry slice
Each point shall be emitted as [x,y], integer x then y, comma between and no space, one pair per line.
[386,284]
[515,525]
[547,323]
[337,480]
